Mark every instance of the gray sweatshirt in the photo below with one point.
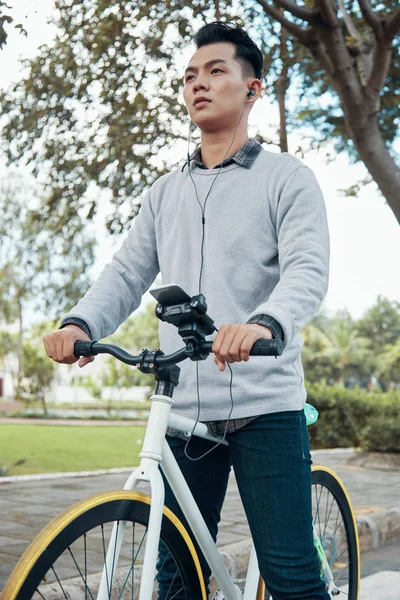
(266, 251)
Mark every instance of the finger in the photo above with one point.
(219, 339)
(51, 349)
(66, 352)
(70, 360)
(85, 360)
(236, 349)
(246, 347)
(220, 364)
(232, 352)
(224, 352)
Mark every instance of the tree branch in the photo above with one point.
(328, 12)
(348, 21)
(371, 18)
(320, 52)
(301, 34)
(392, 26)
(380, 69)
(302, 12)
(361, 50)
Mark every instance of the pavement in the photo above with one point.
(28, 503)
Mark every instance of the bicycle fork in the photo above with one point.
(325, 569)
(151, 456)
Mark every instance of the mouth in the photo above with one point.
(199, 102)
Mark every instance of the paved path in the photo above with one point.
(27, 506)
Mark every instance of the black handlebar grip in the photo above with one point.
(267, 347)
(83, 348)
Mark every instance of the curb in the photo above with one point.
(374, 531)
(68, 474)
(379, 529)
(383, 461)
(43, 476)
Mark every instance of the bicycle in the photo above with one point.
(131, 527)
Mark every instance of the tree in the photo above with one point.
(351, 59)
(318, 367)
(38, 372)
(380, 324)
(37, 264)
(100, 104)
(136, 333)
(139, 332)
(8, 343)
(388, 365)
(7, 19)
(334, 351)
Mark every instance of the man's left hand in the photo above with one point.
(234, 342)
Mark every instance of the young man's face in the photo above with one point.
(220, 81)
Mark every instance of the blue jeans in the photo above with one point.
(272, 464)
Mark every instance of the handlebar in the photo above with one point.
(262, 347)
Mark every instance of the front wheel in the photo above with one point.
(66, 559)
(335, 525)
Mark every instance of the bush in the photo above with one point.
(355, 418)
(382, 435)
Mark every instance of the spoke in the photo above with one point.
(330, 510)
(162, 566)
(80, 573)
(133, 548)
(40, 594)
(105, 562)
(84, 543)
(326, 510)
(317, 500)
(336, 556)
(178, 592)
(171, 584)
(339, 576)
(59, 583)
(333, 535)
(115, 550)
(131, 569)
(335, 530)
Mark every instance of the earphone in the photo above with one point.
(202, 208)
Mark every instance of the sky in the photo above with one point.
(365, 236)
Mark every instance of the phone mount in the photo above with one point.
(192, 322)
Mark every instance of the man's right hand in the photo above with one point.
(59, 345)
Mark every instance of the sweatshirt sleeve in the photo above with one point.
(303, 250)
(119, 289)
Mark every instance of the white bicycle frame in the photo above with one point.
(156, 451)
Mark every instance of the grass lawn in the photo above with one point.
(58, 448)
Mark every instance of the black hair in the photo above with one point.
(247, 52)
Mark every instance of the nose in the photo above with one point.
(200, 84)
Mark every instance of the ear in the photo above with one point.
(254, 87)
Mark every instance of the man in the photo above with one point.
(248, 229)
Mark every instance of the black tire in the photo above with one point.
(336, 527)
(48, 561)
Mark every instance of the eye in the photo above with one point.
(215, 69)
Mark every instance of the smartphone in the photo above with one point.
(170, 294)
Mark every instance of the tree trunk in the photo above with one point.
(44, 405)
(376, 157)
(342, 368)
(282, 85)
(19, 349)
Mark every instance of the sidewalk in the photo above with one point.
(26, 506)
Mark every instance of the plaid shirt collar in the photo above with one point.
(245, 156)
